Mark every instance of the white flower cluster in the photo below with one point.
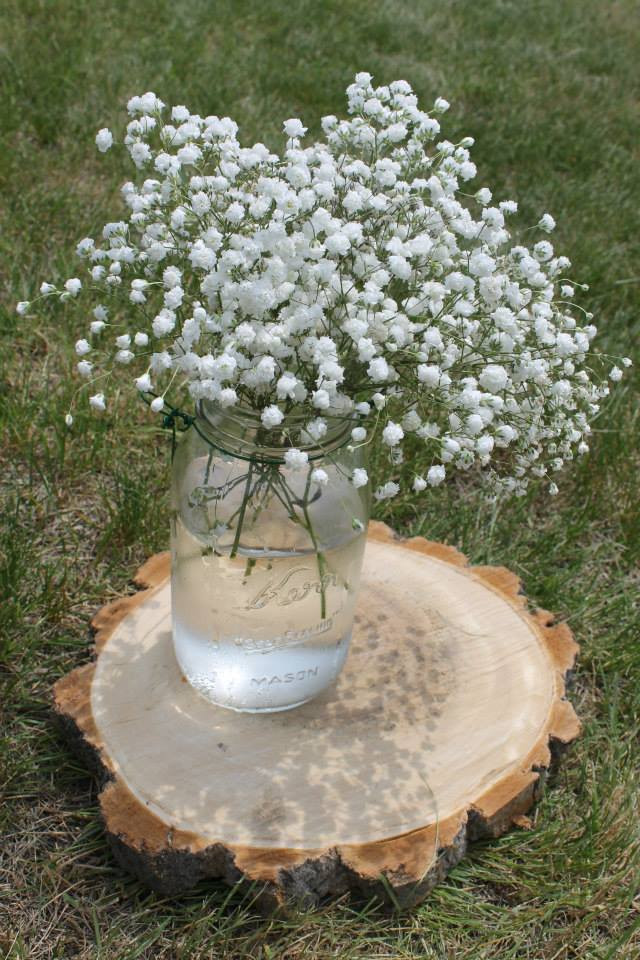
(351, 278)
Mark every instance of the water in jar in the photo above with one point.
(269, 627)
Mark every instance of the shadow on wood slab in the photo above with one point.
(440, 730)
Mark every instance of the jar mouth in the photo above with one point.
(239, 432)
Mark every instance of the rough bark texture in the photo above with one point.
(401, 868)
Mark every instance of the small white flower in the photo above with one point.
(235, 212)
(68, 420)
(429, 374)
(171, 277)
(85, 247)
(143, 383)
(286, 386)
(481, 264)
(321, 399)
(73, 286)
(294, 128)
(396, 132)
(378, 370)
(157, 404)
(387, 491)
(441, 105)
(505, 434)
(411, 421)
(543, 251)
(201, 257)
(296, 459)
(338, 243)
(163, 323)
(484, 445)
(200, 203)
(22, 307)
(400, 267)
(189, 154)
(140, 153)
(358, 434)
(360, 477)
(141, 339)
(265, 370)
(392, 434)
(84, 368)
(435, 475)
(547, 223)
(104, 139)
(317, 428)
(180, 114)
(615, 374)
(352, 201)
(173, 298)
(46, 288)
(227, 397)
(553, 489)
(147, 103)
(483, 196)
(419, 484)
(82, 347)
(97, 401)
(272, 416)
(320, 476)
(493, 378)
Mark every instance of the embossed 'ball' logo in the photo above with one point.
(296, 585)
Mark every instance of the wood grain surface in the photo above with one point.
(439, 730)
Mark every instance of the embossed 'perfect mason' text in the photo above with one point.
(291, 638)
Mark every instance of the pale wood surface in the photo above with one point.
(449, 699)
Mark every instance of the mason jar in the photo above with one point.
(265, 557)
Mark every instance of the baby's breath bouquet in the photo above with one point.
(356, 283)
(351, 278)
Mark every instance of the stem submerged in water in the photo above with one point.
(319, 554)
(243, 508)
(272, 480)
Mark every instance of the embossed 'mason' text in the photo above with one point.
(285, 678)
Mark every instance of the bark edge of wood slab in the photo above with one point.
(362, 797)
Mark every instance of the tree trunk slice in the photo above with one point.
(439, 730)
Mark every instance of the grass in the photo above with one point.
(550, 91)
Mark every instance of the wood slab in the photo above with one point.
(439, 730)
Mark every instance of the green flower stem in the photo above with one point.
(322, 563)
(243, 507)
(274, 482)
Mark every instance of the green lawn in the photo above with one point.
(550, 90)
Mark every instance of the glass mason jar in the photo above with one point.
(265, 560)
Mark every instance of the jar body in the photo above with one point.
(266, 566)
